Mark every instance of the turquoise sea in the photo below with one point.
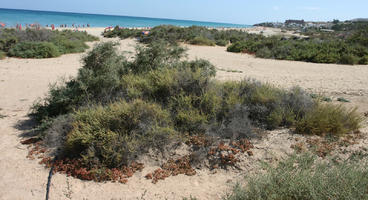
(12, 17)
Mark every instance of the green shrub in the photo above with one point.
(156, 55)
(157, 75)
(97, 81)
(2, 55)
(349, 59)
(364, 60)
(33, 35)
(117, 108)
(324, 48)
(222, 43)
(34, 50)
(187, 117)
(113, 135)
(202, 41)
(237, 47)
(7, 39)
(122, 33)
(264, 53)
(329, 119)
(69, 46)
(303, 177)
(43, 43)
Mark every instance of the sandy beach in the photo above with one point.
(22, 81)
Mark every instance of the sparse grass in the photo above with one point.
(234, 71)
(190, 198)
(230, 70)
(304, 177)
(342, 99)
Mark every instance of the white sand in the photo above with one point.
(22, 81)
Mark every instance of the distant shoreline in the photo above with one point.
(143, 17)
(19, 16)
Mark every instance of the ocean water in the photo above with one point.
(12, 17)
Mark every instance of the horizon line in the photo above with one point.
(124, 16)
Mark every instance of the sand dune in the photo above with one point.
(22, 81)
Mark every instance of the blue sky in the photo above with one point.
(232, 11)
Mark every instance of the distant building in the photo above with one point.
(294, 22)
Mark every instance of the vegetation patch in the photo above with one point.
(342, 47)
(2, 55)
(34, 50)
(325, 146)
(116, 110)
(172, 168)
(304, 177)
(327, 119)
(202, 41)
(32, 43)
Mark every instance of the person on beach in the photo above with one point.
(52, 27)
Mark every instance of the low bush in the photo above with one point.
(96, 82)
(364, 60)
(350, 48)
(186, 89)
(34, 50)
(122, 33)
(202, 41)
(2, 55)
(329, 119)
(117, 108)
(113, 135)
(303, 177)
(69, 46)
(7, 39)
(349, 59)
(237, 47)
(43, 43)
(222, 43)
(33, 35)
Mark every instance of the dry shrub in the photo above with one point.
(303, 177)
(326, 119)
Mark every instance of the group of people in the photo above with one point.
(73, 25)
(36, 26)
